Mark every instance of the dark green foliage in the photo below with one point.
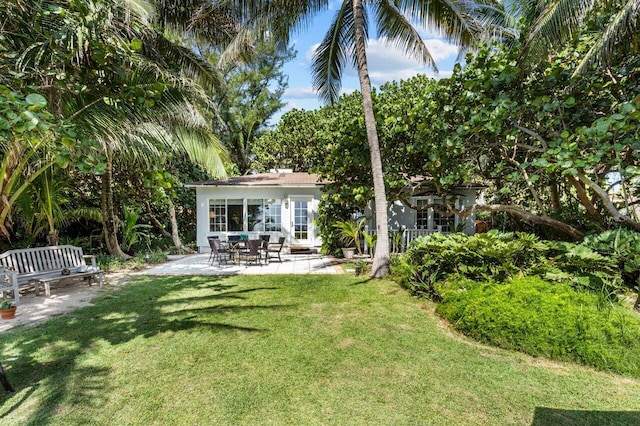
(495, 256)
(583, 267)
(545, 319)
(623, 247)
(331, 210)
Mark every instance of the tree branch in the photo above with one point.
(608, 204)
(583, 197)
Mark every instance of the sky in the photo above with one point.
(385, 64)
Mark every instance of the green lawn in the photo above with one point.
(299, 350)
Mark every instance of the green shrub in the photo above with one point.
(495, 256)
(139, 261)
(623, 247)
(490, 255)
(543, 318)
(582, 267)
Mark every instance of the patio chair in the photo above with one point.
(264, 248)
(265, 237)
(216, 251)
(252, 253)
(275, 250)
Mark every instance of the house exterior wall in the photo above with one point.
(285, 196)
(401, 216)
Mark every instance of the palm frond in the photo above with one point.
(214, 23)
(556, 24)
(333, 54)
(451, 19)
(91, 213)
(393, 25)
(624, 24)
(242, 43)
(186, 62)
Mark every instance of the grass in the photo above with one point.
(312, 350)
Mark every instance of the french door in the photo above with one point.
(301, 221)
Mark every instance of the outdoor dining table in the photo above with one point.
(238, 248)
(234, 248)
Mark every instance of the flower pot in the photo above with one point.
(8, 313)
(348, 252)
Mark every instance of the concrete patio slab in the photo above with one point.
(198, 264)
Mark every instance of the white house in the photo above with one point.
(285, 204)
(419, 220)
(280, 204)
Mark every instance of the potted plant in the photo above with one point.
(350, 233)
(7, 310)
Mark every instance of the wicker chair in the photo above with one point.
(273, 252)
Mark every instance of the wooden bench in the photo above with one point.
(44, 265)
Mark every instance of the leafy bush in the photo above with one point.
(153, 256)
(495, 256)
(490, 255)
(623, 247)
(543, 318)
(583, 267)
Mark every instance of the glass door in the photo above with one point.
(301, 232)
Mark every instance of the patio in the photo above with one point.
(198, 264)
(64, 298)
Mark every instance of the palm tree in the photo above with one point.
(556, 21)
(459, 21)
(143, 95)
(25, 153)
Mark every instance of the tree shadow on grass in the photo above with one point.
(544, 416)
(48, 361)
(362, 281)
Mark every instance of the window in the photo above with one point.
(422, 216)
(264, 215)
(228, 215)
(255, 215)
(217, 216)
(301, 220)
(272, 215)
(235, 216)
(440, 222)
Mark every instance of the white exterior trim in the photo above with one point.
(284, 193)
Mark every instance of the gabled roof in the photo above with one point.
(266, 179)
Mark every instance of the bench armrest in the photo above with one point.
(90, 256)
(9, 273)
(9, 282)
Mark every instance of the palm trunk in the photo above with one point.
(53, 238)
(380, 267)
(108, 218)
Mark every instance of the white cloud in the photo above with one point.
(305, 93)
(441, 50)
(300, 93)
(309, 53)
(387, 63)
